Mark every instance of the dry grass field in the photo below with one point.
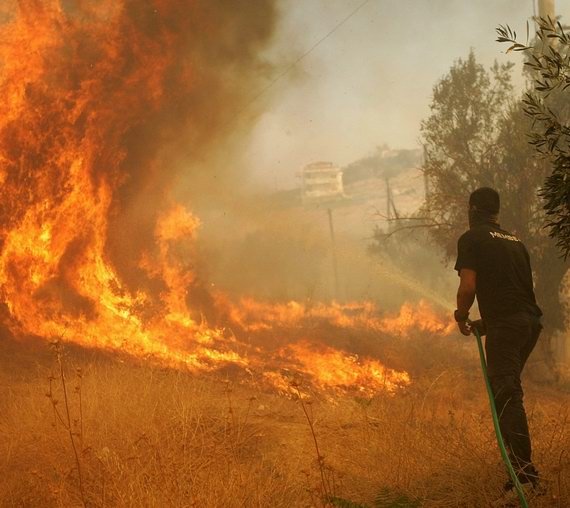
(150, 436)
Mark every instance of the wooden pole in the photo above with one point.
(388, 200)
(546, 9)
(333, 244)
(426, 181)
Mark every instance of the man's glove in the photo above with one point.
(479, 325)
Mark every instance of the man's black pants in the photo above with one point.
(510, 340)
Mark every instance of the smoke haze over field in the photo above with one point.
(370, 82)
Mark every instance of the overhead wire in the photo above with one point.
(291, 66)
(288, 69)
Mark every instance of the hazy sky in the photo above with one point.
(371, 81)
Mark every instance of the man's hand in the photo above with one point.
(464, 327)
(465, 298)
(479, 325)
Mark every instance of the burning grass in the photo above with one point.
(154, 436)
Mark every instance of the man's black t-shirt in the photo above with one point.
(504, 276)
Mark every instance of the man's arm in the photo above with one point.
(465, 298)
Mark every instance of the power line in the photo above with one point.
(302, 57)
(288, 69)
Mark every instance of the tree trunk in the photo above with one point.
(548, 282)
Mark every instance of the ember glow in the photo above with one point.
(94, 249)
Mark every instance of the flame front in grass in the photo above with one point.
(254, 316)
(331, 368)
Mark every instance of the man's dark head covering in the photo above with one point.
(484, 206)
(485, 199)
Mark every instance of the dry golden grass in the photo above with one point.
(160, 437)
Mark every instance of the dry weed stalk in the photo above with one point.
(66, 420)
(237, 424)
(326, 489)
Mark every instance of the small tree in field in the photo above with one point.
(476, 135)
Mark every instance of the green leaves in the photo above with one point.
(546, 104)
(505, 34)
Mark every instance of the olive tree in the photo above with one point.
(547, 105)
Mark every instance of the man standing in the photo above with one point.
(494, 265)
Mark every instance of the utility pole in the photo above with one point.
(333, 243)
(391, 211)
(388, 199)
(546, 9)
(426, 181)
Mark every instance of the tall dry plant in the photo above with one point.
(64, 416)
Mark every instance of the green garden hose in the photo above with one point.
(504, 454)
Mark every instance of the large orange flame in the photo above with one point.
(331, 368)
(93, 249)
